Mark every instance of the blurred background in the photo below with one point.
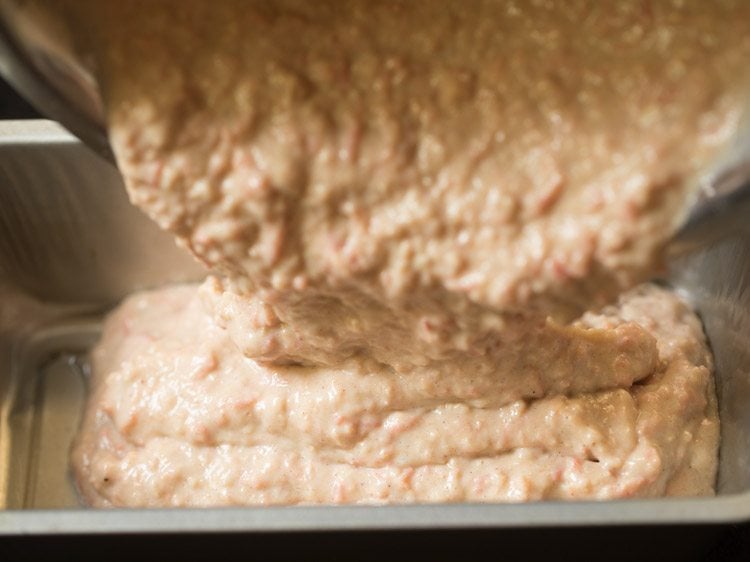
(13, 106)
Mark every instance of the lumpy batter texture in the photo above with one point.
(179, 417)
(406, 207)
(411, 179)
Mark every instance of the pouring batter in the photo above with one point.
(418, 198)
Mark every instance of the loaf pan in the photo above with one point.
(71, 246)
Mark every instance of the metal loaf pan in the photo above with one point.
(71, 246)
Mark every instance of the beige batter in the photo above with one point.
(178, 417)
(416, 198)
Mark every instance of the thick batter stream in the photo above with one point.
(406, 205)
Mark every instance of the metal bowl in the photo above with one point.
(36, 58)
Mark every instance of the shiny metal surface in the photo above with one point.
(71, 245)
(67, 230)
(37, 59)
(723, 205)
